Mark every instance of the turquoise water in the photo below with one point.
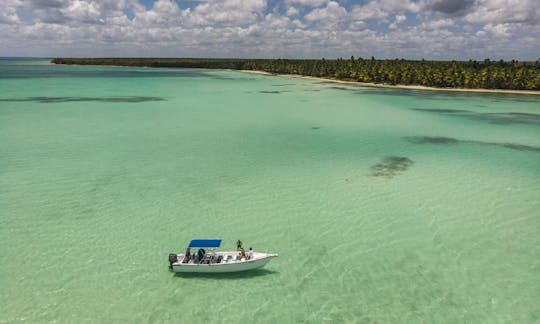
(385, 205)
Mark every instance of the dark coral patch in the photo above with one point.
(448, 140)
(442, 111)
(518, 147)
(390, 166)
(492, 118)
(432, 140)
(273, 92)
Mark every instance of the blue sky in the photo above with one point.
(431, 29)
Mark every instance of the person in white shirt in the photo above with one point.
(250, 254)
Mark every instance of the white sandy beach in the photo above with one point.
(409, 87)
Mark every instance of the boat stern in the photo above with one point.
(174, 258)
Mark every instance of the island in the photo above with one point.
(487, 75)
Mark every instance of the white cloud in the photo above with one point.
(114, 5)
(69, 11)
(299, 24)
(276, 22)
(292, 11)
(164, 13)
(438, 24)
(498, 30)
(306, 3)
(333, 12)
(357, 25)
(82, 11)
(226, 12)
(383, 9)
(369, 11)
(121, 20)
(505, 11)
(9, 16)
(248, 28)
(398, 19)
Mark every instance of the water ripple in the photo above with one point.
(506, 118)
(133, 99)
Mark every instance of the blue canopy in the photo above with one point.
(204, 243)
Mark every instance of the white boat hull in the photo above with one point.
(258, 261)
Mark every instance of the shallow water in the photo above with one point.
(385, 205)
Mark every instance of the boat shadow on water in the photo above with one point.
(227, 275)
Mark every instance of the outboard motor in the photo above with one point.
(172, 259)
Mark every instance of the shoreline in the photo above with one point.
(397, 86)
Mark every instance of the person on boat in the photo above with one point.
(187, 255)
(238, 245)
(200, 254)
(250, 254)
(242, 254)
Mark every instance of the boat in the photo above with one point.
(211, 261)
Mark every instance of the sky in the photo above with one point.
(411, 29)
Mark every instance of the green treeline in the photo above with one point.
(485, 74)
